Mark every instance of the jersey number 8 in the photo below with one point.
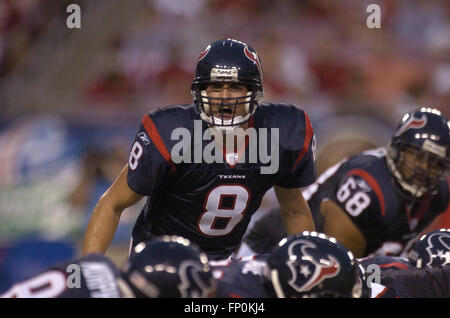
(215, 210)
(135, 154)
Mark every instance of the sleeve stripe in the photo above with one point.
(373, 184)
(308, 135)
(152, 132)
(395, 264)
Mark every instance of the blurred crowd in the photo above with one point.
(21, 22)
(319, 54)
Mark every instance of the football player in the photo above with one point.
(376, 202)
(208, 201)
(415, 283)
(309, 264)
(167, 267)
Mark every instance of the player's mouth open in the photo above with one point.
(226, 112)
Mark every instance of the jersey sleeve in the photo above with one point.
(149, 159)
(298, 141)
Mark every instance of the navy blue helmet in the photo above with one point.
(313, 264)
(431, 250)
(169, 267)
(423, 137)
(227, 61)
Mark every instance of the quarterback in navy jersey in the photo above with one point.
(196, 185)
(377, 202)
(96, 276)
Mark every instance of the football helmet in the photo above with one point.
(431, 250)
(168, 267)
(227, 61)
(424, 135)
(313, 264)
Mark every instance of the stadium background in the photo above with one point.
(71, 99)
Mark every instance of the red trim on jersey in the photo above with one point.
(396, 265)
(423, 208)
(442, 220)
(308, 135)
(152, 132)
(373, 184)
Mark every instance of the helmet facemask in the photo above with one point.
(417, 171)
(226, 113)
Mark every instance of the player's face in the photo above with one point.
(233, 104)
(420, 168)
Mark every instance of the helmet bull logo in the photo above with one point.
(412, 123)
(312, 273)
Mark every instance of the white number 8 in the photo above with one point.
(135, 154)
(49, 284)
(215, 211)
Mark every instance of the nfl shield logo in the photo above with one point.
(232, 158)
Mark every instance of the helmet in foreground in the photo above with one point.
(169, 267)
(313, 264)
(431, 250)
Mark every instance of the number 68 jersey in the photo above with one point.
(210, 202)
(363, 187)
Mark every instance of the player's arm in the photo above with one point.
(338, 224)
(105, 218)
(295, 210)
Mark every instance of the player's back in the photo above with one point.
(382, 263)
(415, 283)
(92, 276)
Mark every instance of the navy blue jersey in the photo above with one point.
(362, 187)
(92, 276)
(240, 278)
(385, 262)
(415, 283)
(211, 202)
